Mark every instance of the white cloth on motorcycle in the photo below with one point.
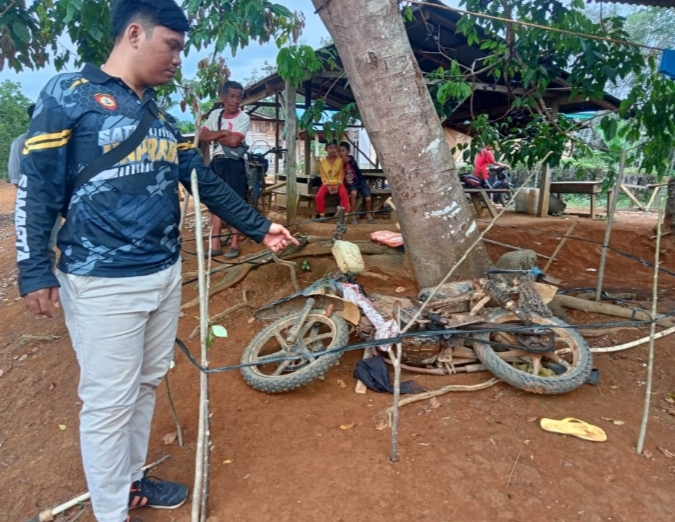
(384, 329)
(373, 372)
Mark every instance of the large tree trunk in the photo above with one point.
(400, 118)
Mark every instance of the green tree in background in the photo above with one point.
(13, 119)
(30, 35)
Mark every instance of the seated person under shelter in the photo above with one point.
(356, 184)
(331, 169)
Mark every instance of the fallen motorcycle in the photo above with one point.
(517, 339)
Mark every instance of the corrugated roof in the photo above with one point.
(490, 97)
(652, 3)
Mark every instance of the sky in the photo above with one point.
(241, 65)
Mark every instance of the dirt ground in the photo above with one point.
(478, 456)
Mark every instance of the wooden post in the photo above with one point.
(276, 134)
(610, 220)
(560, 245)
(291, 156)
(200, 490)
(544, 191)
(308, 142)
(652, 333)
(630, 194)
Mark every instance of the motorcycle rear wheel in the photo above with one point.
(571, 354)
(503, 198)
(317, 334)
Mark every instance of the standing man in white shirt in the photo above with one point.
(226, 129)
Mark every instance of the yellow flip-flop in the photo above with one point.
(574, 427)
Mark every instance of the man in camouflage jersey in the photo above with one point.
(118, 277)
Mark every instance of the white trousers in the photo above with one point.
(123, 332)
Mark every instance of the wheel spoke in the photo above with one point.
(281, 368)
(306, 351)
(316, 338)
(504, 338)
(305, 328)
(281, 340)
(536, 365)
(560, 360)
(269, 358)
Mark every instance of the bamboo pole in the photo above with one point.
(179, 429)
(650, 363)
(610, 221)
(396, 361)
(633, 344)
(511, 247)
(201, 470)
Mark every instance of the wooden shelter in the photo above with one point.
(434, 42)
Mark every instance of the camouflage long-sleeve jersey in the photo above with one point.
(124, 221)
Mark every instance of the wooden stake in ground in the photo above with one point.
(50, 514)
(650, 363)
(200, 490)
(610, 220)
(179, 429)
(560, 245)
(511, 247)
(396, 361)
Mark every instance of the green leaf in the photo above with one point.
(21, 32)
(219, 331)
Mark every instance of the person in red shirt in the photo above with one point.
(483, 160)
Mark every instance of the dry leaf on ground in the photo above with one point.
(399, 289)
(347, 426)
(667, 453)
(62, 427)
(228, 461)
(170, 438)
(382, 424)
(341, 383)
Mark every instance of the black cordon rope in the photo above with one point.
(399, 338)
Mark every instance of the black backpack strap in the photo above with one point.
(113, 156)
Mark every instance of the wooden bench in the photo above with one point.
(480, 197)
(579, 187)
(307, 206)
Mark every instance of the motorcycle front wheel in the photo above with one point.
(270, 372)
(560, 370)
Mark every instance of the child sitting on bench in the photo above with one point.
(331, 169)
